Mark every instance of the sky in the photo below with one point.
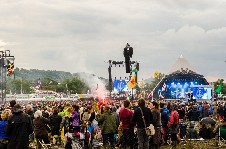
(82, 35)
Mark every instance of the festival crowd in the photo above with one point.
(108, 124)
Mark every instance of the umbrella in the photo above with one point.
(208, 120)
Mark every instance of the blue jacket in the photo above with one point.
(165, 116)
(3, 135)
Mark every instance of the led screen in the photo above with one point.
(120, 85)
(178, 90)
(202, 93)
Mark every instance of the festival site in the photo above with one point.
(178, 110)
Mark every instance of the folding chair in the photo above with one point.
(44, 146)
(221, 136)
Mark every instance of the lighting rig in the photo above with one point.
(128, 52)
(6, 69)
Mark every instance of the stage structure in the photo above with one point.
(6, 69)
(182, 83)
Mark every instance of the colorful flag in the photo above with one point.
(38, 84)
(135, 70)
(131, 84)
(218, 90)
(156, 74)
(164, 87)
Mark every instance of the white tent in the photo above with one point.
(181, 64)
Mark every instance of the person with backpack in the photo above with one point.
(107, 122)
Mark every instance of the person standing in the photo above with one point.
(107, 122)
(3, 122)
(173, 125)
(125, 116)
(143, 139)
(40, 130)
(19, 127)
(156, 121)
(55, 120)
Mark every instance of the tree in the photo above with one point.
(217, 84)
(75, 85)
(18, 85)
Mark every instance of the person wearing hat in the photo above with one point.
(19, 127)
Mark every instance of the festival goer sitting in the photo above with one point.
(192, 133)
(204, 132)
(3, 136)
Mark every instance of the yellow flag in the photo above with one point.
(131, 84)
(156, 74)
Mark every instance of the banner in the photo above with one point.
(131, 84)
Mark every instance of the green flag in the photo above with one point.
(135, 70)
(219, 88)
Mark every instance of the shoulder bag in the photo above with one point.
(149, 130)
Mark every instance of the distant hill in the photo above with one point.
(59, 76)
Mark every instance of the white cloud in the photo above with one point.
(80, 35)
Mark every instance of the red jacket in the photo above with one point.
(125, 116)
(174, 116)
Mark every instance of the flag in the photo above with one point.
(218, 90)
(164, 87)
(135, 70)
(131, 84)
(156, 74)
(38, 84)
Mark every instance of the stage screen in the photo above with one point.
(120, 85)
(202, 93)
(180, 89)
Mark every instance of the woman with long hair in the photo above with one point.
(3, 122)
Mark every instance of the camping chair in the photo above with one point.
(221, 135)
(44, 146)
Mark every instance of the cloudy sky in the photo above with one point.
(80, 35)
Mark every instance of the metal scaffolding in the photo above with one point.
(5, 61)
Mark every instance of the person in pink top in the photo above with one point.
(127, 125)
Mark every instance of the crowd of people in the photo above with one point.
(92, 124)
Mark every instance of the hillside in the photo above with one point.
(59, 76)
